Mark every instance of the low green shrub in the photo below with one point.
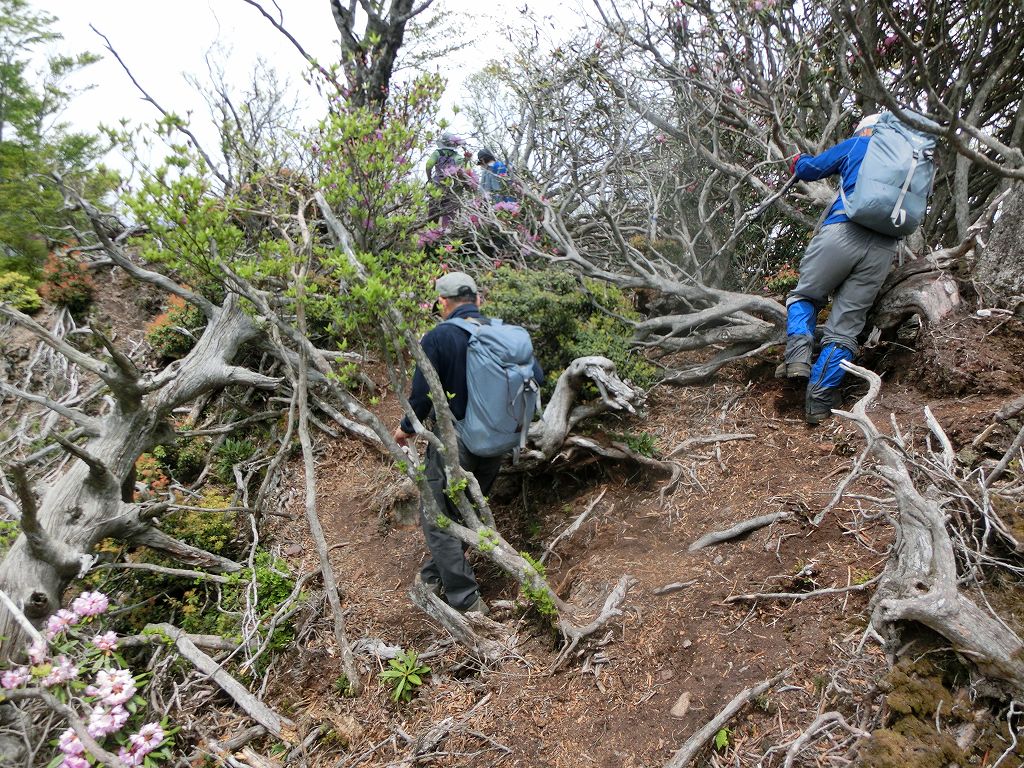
(567, 320)
(165, 332)
(18, 290)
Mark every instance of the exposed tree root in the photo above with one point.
(686, 753)
(920, 582)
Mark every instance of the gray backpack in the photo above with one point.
(503, 393)
(895, 178)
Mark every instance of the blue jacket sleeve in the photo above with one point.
(829, 162)
(419, 396)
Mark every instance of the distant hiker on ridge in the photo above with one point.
(492, 379)
(446, 169)
(494, 180)
(886, 173)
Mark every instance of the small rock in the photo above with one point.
(687, 643)
(293, 550)
(718, 560)
(664, 675)
(682, 706)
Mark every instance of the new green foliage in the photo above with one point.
(404, 675)
(566, 319)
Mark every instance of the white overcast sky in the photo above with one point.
(164, 41)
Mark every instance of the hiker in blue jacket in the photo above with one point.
(843, 260)
(445, 346)
(493, 177)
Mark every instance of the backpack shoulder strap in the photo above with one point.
(470, 327)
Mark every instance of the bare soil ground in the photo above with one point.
(614, 709)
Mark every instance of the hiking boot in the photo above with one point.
(792, 371)
(478, 606)
(433, 587)
(820, 405)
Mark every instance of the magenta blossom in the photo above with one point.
(141, 744)
(509, 206)
(70, 744)
(106, 720)
(12, 678)
(151, 734)
(60, 622)
(113, 687)
(106, 641)
(63, 670)
(90, 603)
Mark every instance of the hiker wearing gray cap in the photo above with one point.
(844, 260)
(446, 346)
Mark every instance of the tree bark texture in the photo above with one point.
(84, 505)
(999, 271)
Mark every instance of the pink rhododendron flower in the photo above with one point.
(113, 686)
(131, 755)
(505, 205)
(74, 761)
(38, 651)
(106, 720)
(106, 641)
(70, 744)
(151, 734)
(12, 678)
(90, 604)
(63, 670)
(59, 622)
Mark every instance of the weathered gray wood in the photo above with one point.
(920, 581)
(684, 756)
(739, 529)
(279, 726)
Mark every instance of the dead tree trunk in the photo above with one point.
(85, 504)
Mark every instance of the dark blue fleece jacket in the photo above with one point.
(445, 346)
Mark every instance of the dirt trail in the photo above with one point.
(686, 642)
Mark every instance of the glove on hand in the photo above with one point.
(792, 163)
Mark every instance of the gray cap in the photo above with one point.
(455, 284)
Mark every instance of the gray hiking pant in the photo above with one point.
(447, 561)
(848, 262)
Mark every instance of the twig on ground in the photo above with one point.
(281, 727)
(695, 743)
(801, 595)
(738, 530)
(575, 526)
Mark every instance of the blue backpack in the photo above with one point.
(895, 178)
(503, 393)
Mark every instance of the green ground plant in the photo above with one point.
(404, 675)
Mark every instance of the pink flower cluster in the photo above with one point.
(106, 720)
(141, 744)
(90, 604)
(113, 687)
(63, 670)
(13, 678)
(73, 749)
(106, 641)
(60, 622)
(505, 205)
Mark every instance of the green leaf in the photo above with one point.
(722, 738)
